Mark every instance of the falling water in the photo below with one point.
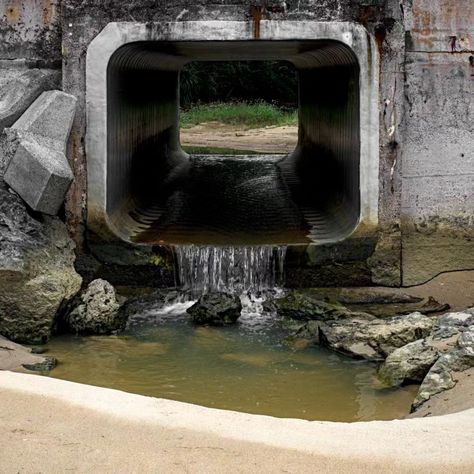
(230, 269)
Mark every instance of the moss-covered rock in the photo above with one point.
(216, 309)
(96, 311)
(374, 339)
(37, 276)
(299, 305)
(408, 364)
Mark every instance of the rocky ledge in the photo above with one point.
(410, 348)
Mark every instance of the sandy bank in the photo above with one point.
(90, 429)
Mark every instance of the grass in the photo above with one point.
(213, 150)
(255, 115)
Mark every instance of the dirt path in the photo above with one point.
(264, 140)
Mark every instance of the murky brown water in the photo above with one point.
(244, 368)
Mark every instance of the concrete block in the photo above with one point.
(50, 116)
(19, 93)
(37, 167)
(41, 175)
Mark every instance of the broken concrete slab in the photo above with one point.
(19, 93)
(38, 169)
(49, 116)
(40, 175)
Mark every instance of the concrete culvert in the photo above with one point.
(156, 193)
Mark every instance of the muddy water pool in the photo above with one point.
(244, 368)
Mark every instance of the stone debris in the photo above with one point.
(408, 364)
(452, 324)
(443, 374)
(38, 169)
(216, 309)
(95, 311)
(451, 332)
(36, 271)
(374, 339)
(412, 348)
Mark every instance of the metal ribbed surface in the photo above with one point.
(156, 194)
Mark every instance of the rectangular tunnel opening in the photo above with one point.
(238, 107)
(157, 193)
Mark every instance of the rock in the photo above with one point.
(432, 306)
(452, 324)
(216, 309)
(46, 365)
(19, 93)
(303, 307)
(374, 339)
(95, 311)
(412, 362)
(38, 169)
(304, 335)
(466, 340)
(374, 296)
(443, 374)
(14, 356)
(379, 302)
(36, 271)
(387, 310)
(38, 350)
(408, 364)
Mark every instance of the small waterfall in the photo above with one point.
(230, 269)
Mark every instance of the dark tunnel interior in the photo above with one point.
(157, 193)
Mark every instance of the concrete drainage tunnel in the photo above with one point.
(158, 194)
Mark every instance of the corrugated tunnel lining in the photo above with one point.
(146, 166)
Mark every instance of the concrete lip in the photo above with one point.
(352, 138)
(425, 444)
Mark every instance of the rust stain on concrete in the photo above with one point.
(435, 28)
(257, 13)
(13, 12)
(48, 11)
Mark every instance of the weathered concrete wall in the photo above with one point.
(30, 30)
(83, 20)
(426, 199)
(30, 58)
(438, 139)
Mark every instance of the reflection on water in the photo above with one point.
(242, 368)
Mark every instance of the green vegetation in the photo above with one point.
(254, 115)
(274, 82)
(214, 150)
